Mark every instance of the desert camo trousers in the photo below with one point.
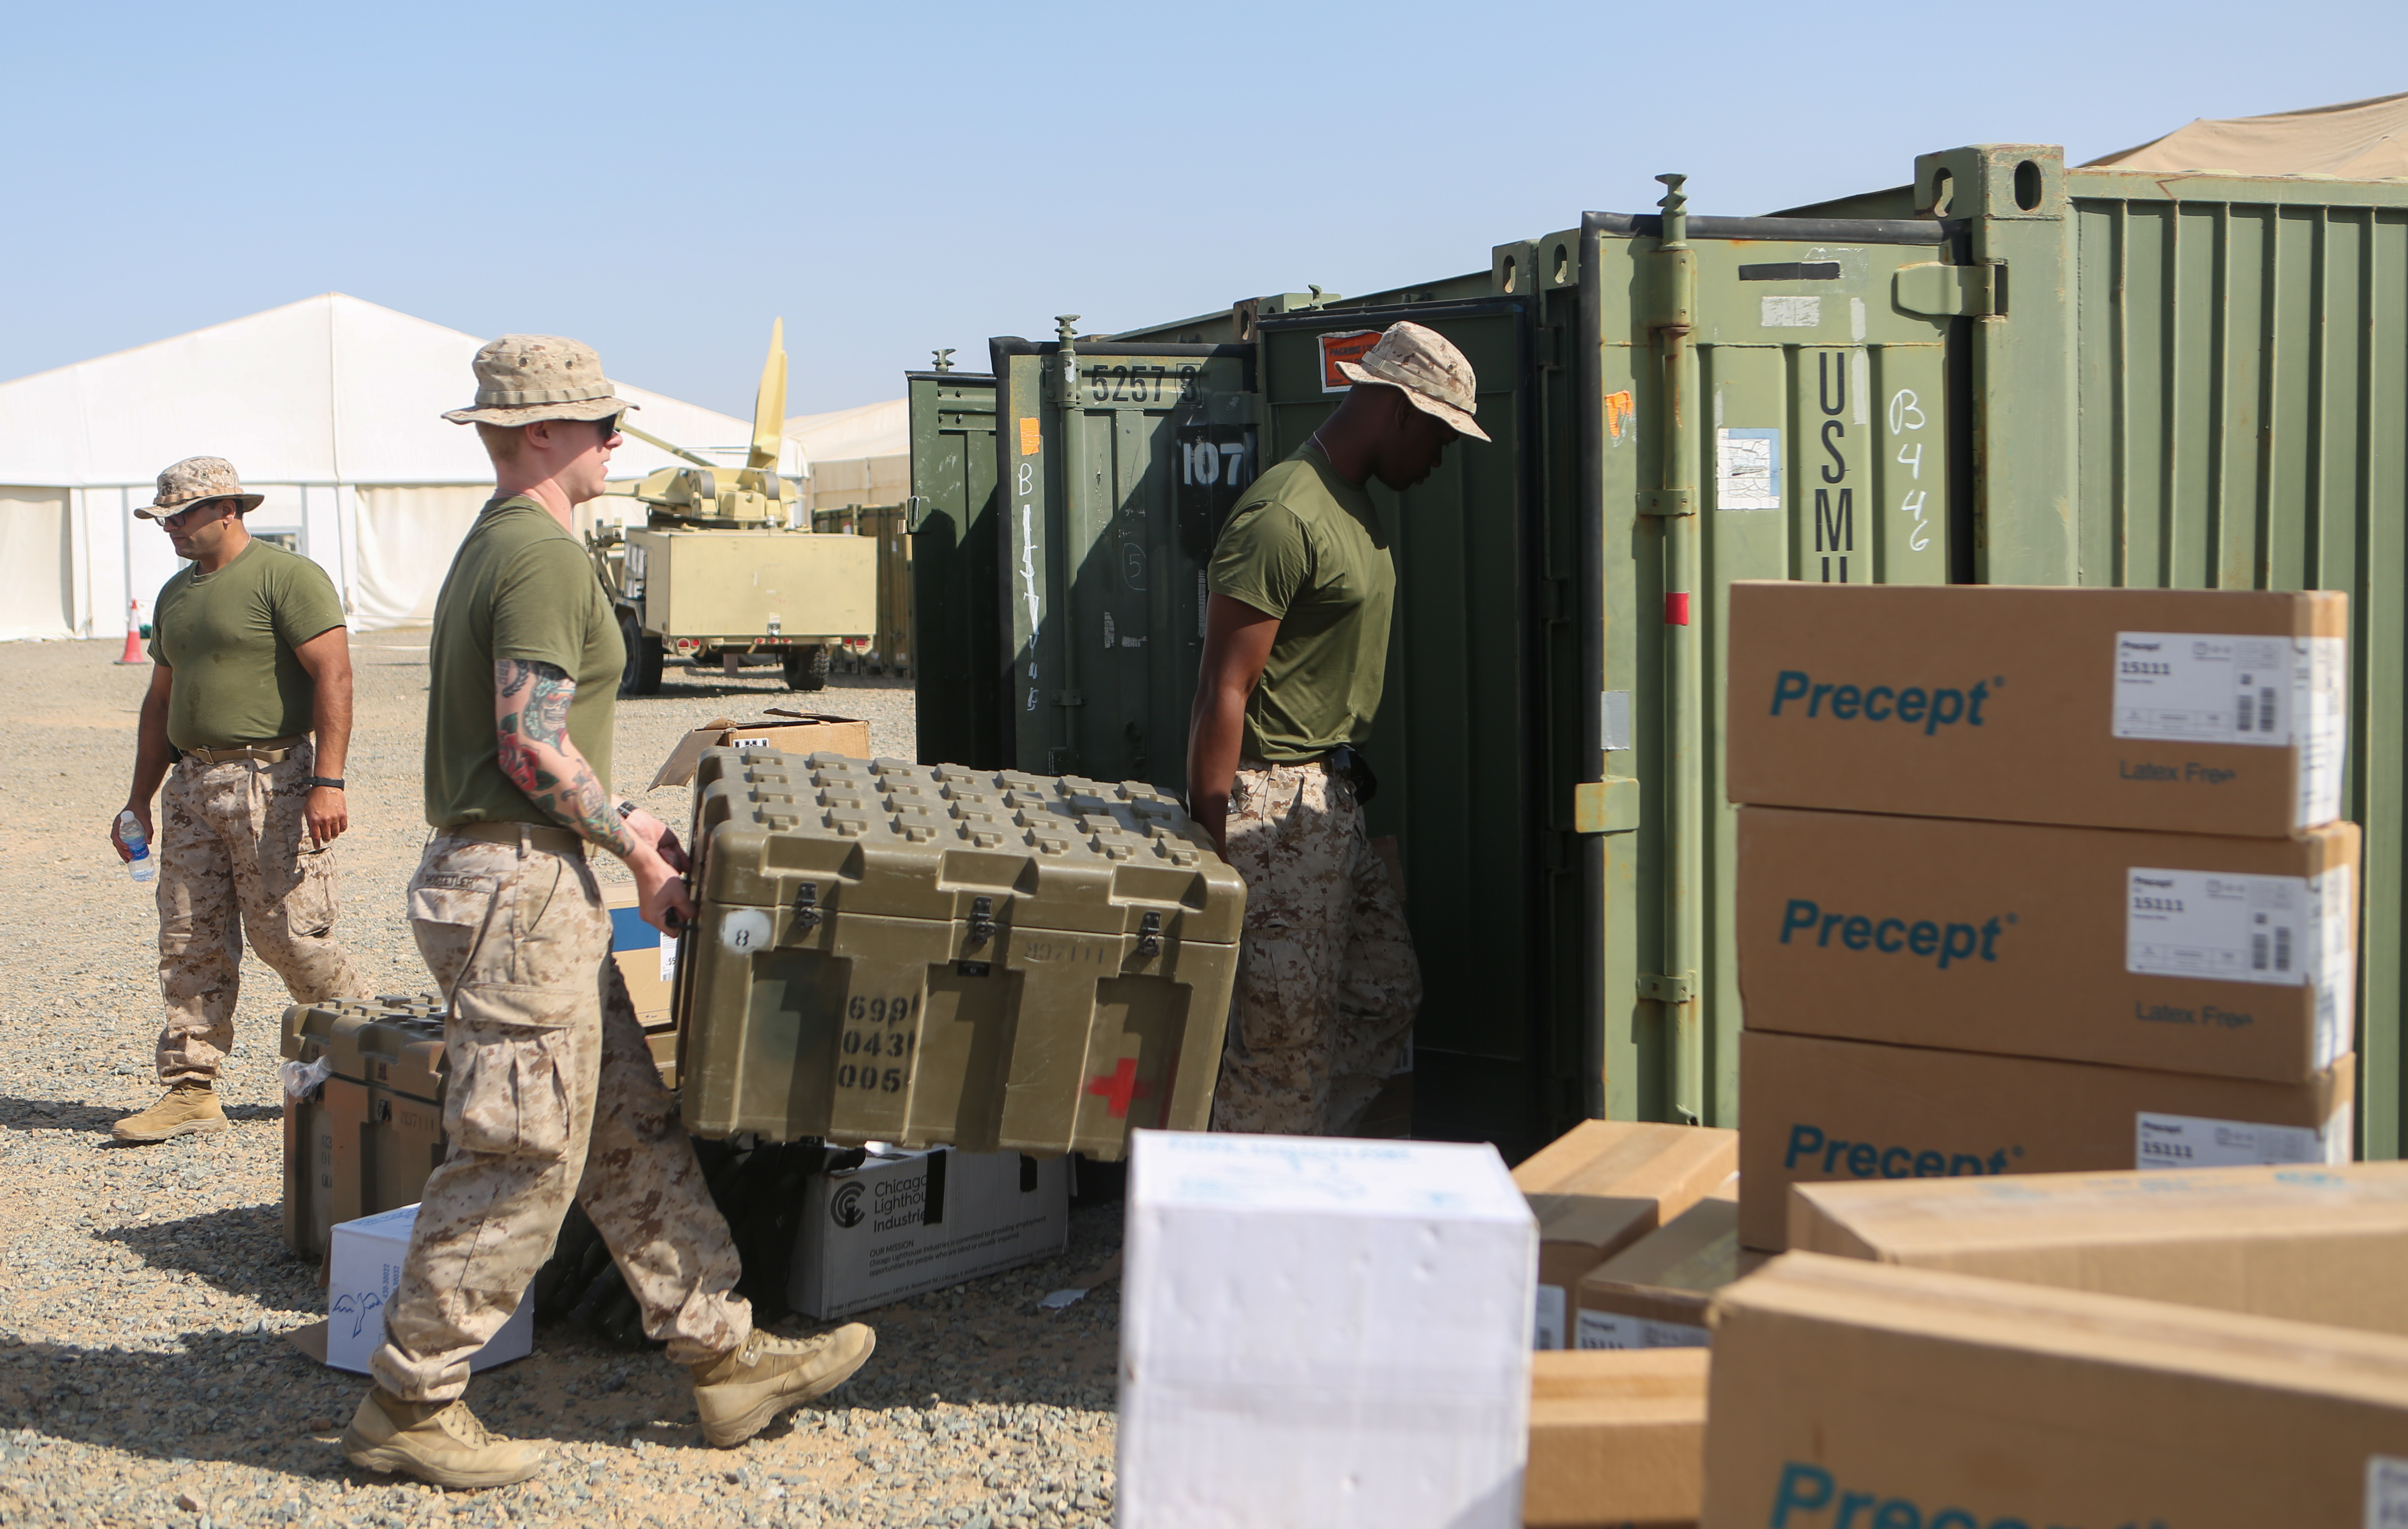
(1327, 983)
(551, 1095)
(236, 858)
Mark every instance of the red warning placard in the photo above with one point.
(1347, 346)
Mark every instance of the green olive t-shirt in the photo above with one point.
(1305, 544)
(521, 587)
(229, 636)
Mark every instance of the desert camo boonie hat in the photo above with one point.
(522, 378)
(197, 480)
(1432, 374)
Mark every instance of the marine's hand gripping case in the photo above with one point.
(924, 954)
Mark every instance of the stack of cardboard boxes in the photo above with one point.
(2037, 880)
(1607, 1189)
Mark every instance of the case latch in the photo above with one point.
(982, 920)
(807, 906)
(1148, 935)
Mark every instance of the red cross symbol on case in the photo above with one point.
(1120, 1086)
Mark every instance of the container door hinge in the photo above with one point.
(807, 906)
(1670, 990)
(1668, 500)
(1148, 935)
(981, 921)
(1944, 291)
(1610, 806)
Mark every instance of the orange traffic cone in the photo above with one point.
(132, 653)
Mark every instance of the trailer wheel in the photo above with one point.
(642, 675)
(807, 668)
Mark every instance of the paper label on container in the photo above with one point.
(668, 960)
(2386, 1492)
(1747, 469)
(1547, 1332)
(2191, 1142)
(1613, 1330)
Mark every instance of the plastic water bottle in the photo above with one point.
(129, 831)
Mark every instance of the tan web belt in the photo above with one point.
(560, 841)
(270, 751)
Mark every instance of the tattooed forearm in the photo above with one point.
(531, 734)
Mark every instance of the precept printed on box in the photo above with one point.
(2217, 711)
(2180, 953)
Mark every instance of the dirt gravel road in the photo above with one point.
(144, 1291)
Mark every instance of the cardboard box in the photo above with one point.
(2113, 709)
(1653, 1293)
(1817, 1109)
(364, 1268)
(2313, 1244)
(906, 1223)
(1601, 1187)
(788, 732)
(647, 960)
(1616, 1439)
(1318, 1332)
(2172, 952)
(1860, 1395)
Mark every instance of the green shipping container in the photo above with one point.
(2038, 376)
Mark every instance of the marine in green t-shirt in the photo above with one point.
(553, 1095)
(1305, 544)
(241, 742)
(1296, 651)
(520, 588)
(230, 635)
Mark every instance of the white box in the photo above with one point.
(365, 1265)
(904, 1223)
(1323, 1333)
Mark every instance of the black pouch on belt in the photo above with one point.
(1348, 761)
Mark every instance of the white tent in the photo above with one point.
(859, 455)
(328, 406)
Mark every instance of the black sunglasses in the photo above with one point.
(610, 423)
(176, 522)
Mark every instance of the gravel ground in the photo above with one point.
(144, 1292)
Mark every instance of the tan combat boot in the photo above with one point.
(441, 1442)
(190, 1109)
(740, 1391)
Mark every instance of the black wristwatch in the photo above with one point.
(330, 782)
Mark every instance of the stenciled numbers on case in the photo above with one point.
(870, 1035)
(1906, 414)
(1208, 463)
(1065, 950)
(869, 1079)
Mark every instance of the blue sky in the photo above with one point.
(661, 179)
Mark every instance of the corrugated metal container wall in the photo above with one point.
(2241, 355)
(1107, 522)
(957, 655)
(2048, 378)
(1764, 398)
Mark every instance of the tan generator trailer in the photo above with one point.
(727, 568)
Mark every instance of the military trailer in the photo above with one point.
(727, 569)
